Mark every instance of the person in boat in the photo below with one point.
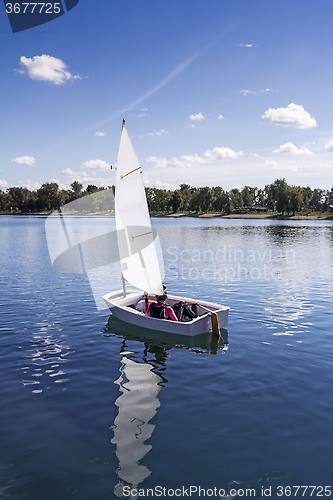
(159, 309)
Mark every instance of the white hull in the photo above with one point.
(123, 308)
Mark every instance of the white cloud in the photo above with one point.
(192, 160)
(220, 117)
(145, 178)
(96, 165)
(293, 115)
(329, 145)
(47, 68)
(3, 183)
(164, 185)
(291, 168)
(248, 170)
(246, 44)
(100, 134)
(271, 163)
(183, 161)
(186, 161)
(291, 149)
(67, 171)
(29, 184)
(197, 117)
(24, 160)
(222, 154)
(87, 178)
(246, 92)
(287, 167)
(158, 132)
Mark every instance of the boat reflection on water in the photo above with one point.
(206, 343)
(141, 379)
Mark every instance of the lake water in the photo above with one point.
(94, 409)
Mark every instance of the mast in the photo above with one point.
(122, 275)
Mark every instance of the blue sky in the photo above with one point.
(214, 92)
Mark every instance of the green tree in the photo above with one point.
(229, 206)
(6, 202)
(206, 197)
(317, 200)
(64, 196)
(277, 195)
(31, 204)
(150, 195)
(306, 195)
(186, 191)
(330, 196)
(295, 199)
(220, 199)
(91, 188)
(76, 190)
(194, 201)
(248, 196)
(236, 198)
(223, 203)
(176, 201)
(48, 197)
(20, 197)
(158, 199)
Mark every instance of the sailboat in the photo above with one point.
(139, 261)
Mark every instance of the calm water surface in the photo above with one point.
(89, 405)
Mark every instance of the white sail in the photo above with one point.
(140, 266)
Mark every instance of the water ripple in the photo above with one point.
(45, 355)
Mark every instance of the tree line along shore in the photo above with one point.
(276, 198)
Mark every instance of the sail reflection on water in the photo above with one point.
(137, 405)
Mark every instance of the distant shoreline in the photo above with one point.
(200, 216)
(247, 216)
(267, 216)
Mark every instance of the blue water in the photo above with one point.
(89, 405)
